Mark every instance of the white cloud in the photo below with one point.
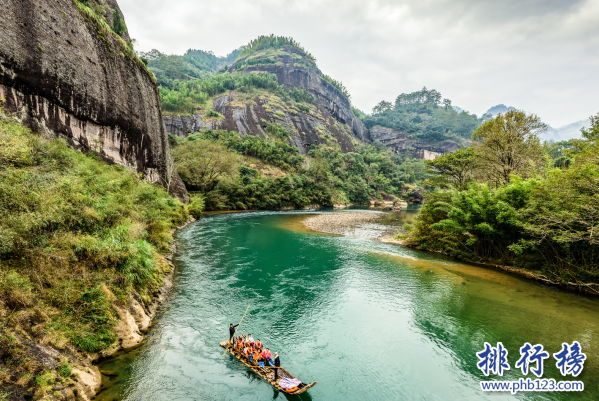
(538, 55)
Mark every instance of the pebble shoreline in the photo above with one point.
(339, 223)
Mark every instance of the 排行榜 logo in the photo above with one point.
(494, 360)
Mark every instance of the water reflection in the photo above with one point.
(367, 320)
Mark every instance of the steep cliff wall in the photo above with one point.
(293, 70)
(64, 73)
(401, 143)
(250, 113)
(329, 119)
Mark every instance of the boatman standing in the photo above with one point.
(277, 365)
(232, 331)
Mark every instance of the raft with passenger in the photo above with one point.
(284, 381)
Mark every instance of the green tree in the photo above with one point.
(509, 144)
(118, 25)
(382, 107)
(453, 168)
(562, 217)
(202, 163)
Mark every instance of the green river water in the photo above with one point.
(367, 320)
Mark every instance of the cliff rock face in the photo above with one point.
(293, 74)
(250, 115)
(420, 149)
(329, 119)
(64, 73)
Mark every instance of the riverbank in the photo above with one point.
(136, 319)
(349, 223)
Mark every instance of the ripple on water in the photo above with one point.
(367, 320)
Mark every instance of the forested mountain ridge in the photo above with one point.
(421, 123)
(193, 64)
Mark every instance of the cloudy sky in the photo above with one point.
(541, 56)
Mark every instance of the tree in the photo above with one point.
(454, 169)
(118, 25)
(509, 144)
(382, 107)
(203, 163)
(447, 104)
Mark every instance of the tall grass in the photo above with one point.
(71, 227)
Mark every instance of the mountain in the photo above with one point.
(421, 124)
(80, 123)
(499, 109)
(273, 81)
(564, 133)
(570, 131)
(192, 65)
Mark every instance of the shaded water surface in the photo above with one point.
(367, 320)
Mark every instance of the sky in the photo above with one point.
(540, 56)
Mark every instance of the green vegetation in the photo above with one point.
(77, 236)
(189, 96)
(423, 115)
(273, 42)
(518, 203)
(118, 25)
(64, 369)
(194, 64)
(187, 82)
(247, 172)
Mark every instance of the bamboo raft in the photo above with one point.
(267, 373)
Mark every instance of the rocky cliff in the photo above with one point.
(249, 114)
(329, 118)
(401, 143)
(65, 73)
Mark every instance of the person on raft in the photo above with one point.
(277, 365)
(232, 332)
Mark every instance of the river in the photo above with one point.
(367, 320)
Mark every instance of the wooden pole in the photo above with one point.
(246, 311)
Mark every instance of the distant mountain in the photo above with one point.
(499, 109)
(566, 132)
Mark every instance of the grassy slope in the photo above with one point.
(70, 226)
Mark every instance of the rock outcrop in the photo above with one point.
(294, 71)
(330, 118)
(249, 116)
(401, 143)
(64, 73)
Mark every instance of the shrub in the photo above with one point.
(214, 114)
(64, 369)
(303, 107)
(118, 25)
(45, 381)
(196, 205)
